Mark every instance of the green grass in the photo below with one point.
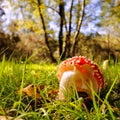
(15, 75)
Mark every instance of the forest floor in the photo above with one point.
(14, 103)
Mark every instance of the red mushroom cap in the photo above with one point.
(86, 68)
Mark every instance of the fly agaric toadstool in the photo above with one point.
(80, 72)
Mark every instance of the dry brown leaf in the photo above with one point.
(33, 90)
(53, 92)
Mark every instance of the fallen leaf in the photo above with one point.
(33, 90)
(53, 92)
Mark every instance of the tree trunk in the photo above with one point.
(45, 32)
(69, 32)
(75, 38)
(61, 13)
(67, 47)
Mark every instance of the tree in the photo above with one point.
(62, 16)
(69, 49)
(67, 22)
(45, 31)
(33, 19)
(78, 26)
(110, 21)
(110, 16)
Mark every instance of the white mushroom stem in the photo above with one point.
(66, 83)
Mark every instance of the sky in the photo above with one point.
(8, 17)
(90, 26)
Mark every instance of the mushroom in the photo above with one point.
(105, 64)
(80, 73)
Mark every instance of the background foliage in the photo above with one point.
(56, 29)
